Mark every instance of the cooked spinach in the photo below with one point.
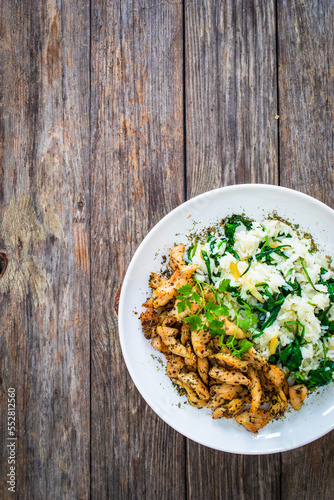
(296, 287)
(248, 267)
(291, 356)
(191, 252)
(266, 250)
(207, 263)
(231, 224)
(324, 321)
(229, 248)
(274, 358)
(213, 256)
(307, 274)
(329, 284)
(319, 377)
(268, 312)
(224, 286)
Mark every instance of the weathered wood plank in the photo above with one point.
(137, 177)
(231, 137)
(44, 293)
(231, 94)
(231, 476)
(306, 82)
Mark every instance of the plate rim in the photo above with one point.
(141, 390)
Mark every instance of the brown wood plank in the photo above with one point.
(306, 82)
(231, 104)
(231, 476)
(231, 95)
(44, 293)
(137, 177)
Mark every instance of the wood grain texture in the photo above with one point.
(231, 104)
(44, 293)
(306, 88)
(137, 177)
(229, 476)
(306, 83)
(231, 93)
(104, 105)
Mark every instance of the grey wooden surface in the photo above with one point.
(112, 114)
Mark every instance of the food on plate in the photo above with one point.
(245, 319)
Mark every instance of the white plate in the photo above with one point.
(255, 200)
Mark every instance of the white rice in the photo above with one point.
(295, 308)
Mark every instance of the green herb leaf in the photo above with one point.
(296, 287)
(267, 250)
(298, 324)
(181, 306)
(231, 224)
(216, 324)
(209, 316)
(219, 310)
(248, 267)
(291, 356)
(271, 319)
(299, 378)
(194, 322)
(274, 358)
(307, 275)
(231, 343)
(238, 348)
(245, 345)
(195, 297)
(328, 283)
(194, 249)
(223, 285)
(321, 376)
(184, 291)
(218, 331)
(207, 263)
(189, 258)
(246, 318)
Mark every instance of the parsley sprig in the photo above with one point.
(211, 310)
(245, 322)
(238, 348)
(186, 294)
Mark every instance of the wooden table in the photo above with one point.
(112, 113)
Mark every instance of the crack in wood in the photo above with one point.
(3, 263)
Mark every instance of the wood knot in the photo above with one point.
(3, 263)
(80, 205)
